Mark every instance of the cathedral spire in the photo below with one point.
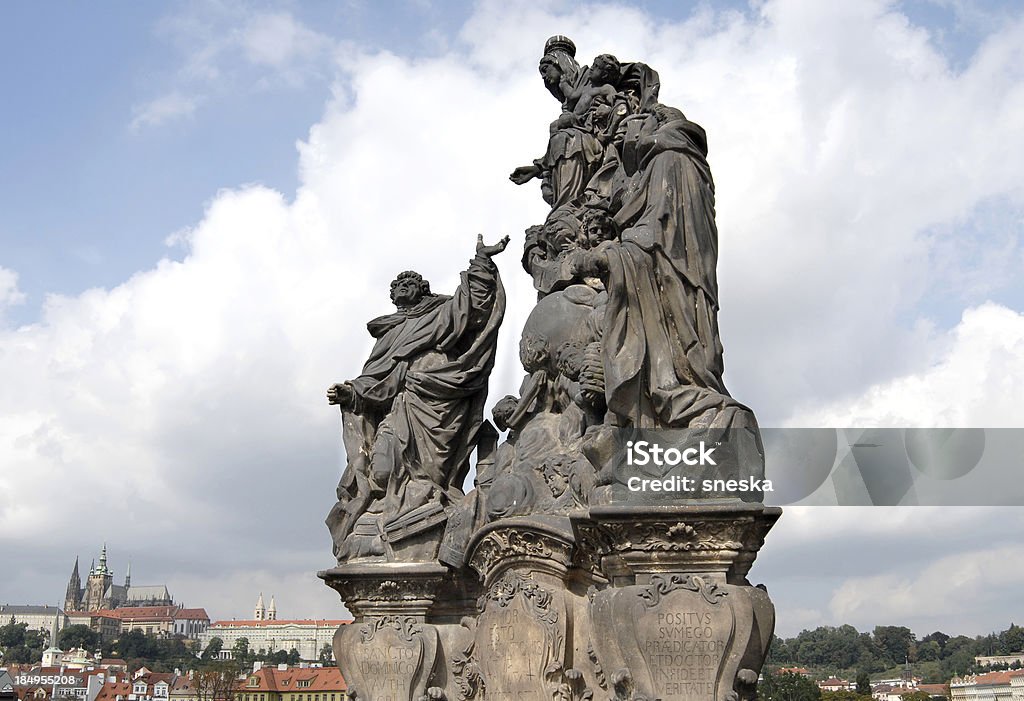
(260, 614)
(128, 576)
(73, 597)
(272, 611)
(103, 561)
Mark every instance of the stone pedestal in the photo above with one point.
(522, 646)
(406, 615)
(678, 620)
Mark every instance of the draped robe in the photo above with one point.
(662, 352)
(419, 402)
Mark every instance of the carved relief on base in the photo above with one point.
(387, 658)
(681, 637)
(520, 643)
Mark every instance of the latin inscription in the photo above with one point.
(512, 653)
(387, 667)
(685, 645)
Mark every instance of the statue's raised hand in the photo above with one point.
(489, 251)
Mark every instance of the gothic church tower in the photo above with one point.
(73, 598)
(100, 579)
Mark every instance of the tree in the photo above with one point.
(916, 696)
(240, 651)
(863, 684)
(326, 655)
(12, 634)
(788, 687)
(928, 650)
(1011, 640)
(844, 695)
(216, 680)
(894, 643)
(213, 649)
(133, 645)
(21, 645)
(78, 635)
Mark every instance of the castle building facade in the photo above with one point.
(99, 593)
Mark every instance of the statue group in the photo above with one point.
(554, 577)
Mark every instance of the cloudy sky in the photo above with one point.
(202, 203)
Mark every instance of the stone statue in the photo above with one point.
(552, 579)
(411, 417)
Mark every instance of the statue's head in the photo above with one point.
(598, 224)
(408, 289)
(534, 352)
(569, 359)
(558, 62)
(550, 72)
(503, 411)
(606, 69)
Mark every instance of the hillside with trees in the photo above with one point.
(845, 651)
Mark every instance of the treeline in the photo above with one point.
(935, 657)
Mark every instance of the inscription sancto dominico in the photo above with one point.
(385, 661)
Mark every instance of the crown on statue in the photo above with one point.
(560, 43)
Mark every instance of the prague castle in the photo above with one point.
(101, 593)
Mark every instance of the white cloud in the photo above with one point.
(963, 583)
(228, 48)
(9, 292)
(977, 380)
(174, 105)
(277, 40)
(184, 409)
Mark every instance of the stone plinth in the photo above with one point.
(406, 615)
(679, 620)
(521, 648)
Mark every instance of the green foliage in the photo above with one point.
(894, 642)
(241, 652)
(78, 636)
(916, 696)
(787, 687)
(159, 654)
(845, 652)
(21, 645)
(840, 696)
(325, 655)
(1011, 640)
(863, 684)
(213, 649)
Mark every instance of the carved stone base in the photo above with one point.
(406, 616)
(620, 602)
(523, 643)
(679, 619)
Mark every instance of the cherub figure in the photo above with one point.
(600, 89)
